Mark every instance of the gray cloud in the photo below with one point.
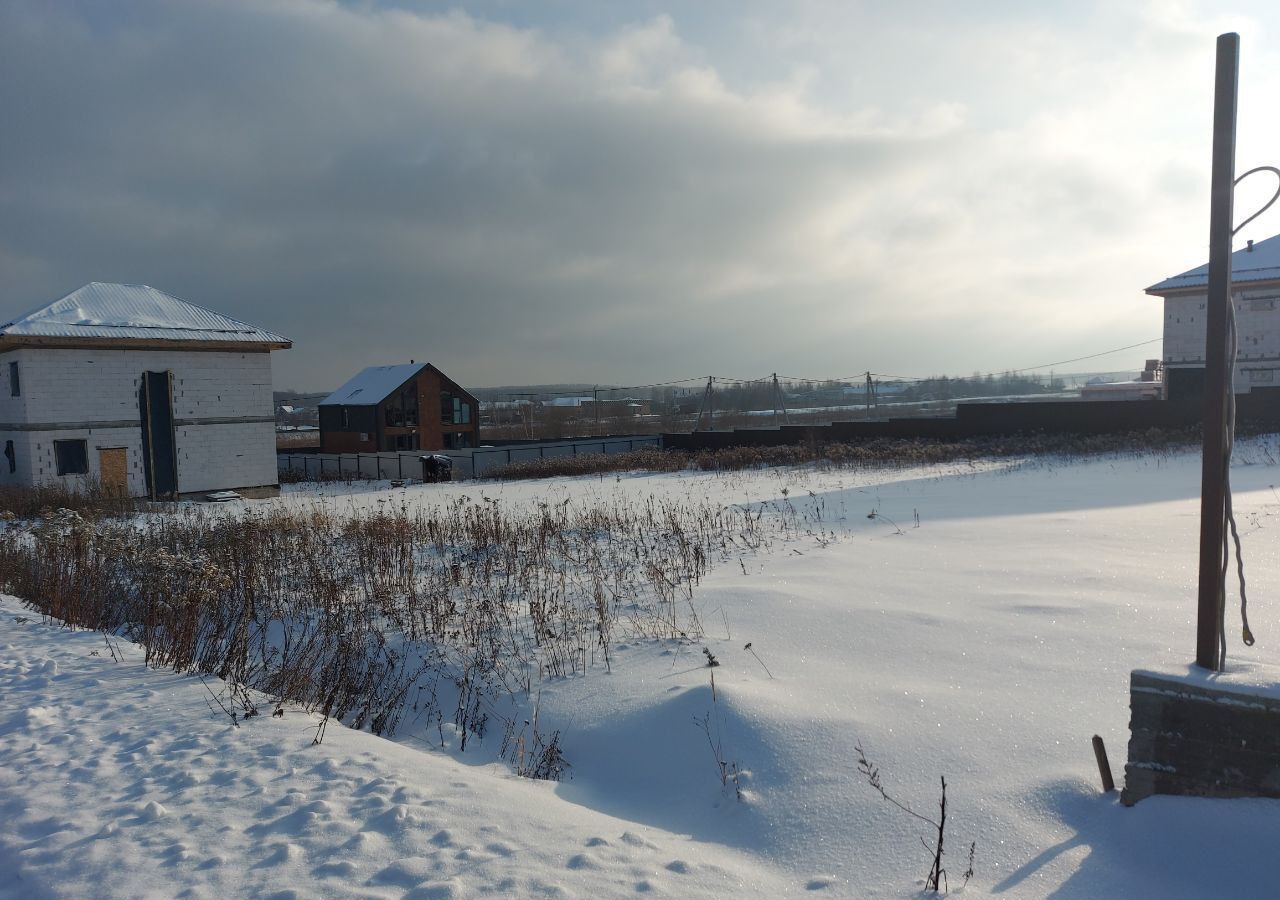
(525, 204)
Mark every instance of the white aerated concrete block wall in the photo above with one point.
(214, 457)
(1257, 327)
(93, 396)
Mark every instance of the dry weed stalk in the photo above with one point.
(352, 612)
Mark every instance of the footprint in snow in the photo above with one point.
(820, 883)
(679, 866)
(152, 812)
(408, 872)
(281, 854)
(436, 890)
(329, 768)
(364, 841)
(344, 869)
(581, 861)
(635, 840)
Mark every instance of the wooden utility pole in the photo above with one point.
(866, 398)
(711, 403)
(1216, 378)
(779, 403)
(708, 404)
(595, 405)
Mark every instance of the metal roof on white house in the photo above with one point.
(1259, 261)
(371, 386)
(136, 312)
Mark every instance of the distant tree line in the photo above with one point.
(942, 387)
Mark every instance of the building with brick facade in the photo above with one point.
(1255, 295)
(136, 390)
(413, 406)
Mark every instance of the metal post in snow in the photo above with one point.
(1214, 448)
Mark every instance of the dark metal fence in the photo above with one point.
(407, 465)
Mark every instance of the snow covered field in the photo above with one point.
(986, 645)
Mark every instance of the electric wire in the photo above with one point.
(1231, 533)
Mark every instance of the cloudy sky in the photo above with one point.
(629, 193)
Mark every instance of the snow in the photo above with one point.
(1259, 261)
(104, 310)
(1242, 678)
(370, 386)
(117, 781)
(986, 645)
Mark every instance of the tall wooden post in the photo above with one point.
(1216, 376)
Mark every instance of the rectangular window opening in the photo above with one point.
(15, 387)
(72, 457)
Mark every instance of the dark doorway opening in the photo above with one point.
(159, 443)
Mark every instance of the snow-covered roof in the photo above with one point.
(371, 386)
(133, 312)
(1258, 262)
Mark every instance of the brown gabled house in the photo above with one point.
(405, 407)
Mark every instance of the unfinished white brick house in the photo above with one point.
(134, 389)
(1255, 293)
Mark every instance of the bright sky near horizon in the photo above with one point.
(627, 193)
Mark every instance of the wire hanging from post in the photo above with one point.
(1231, 534)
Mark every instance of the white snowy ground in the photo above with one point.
(987, 645)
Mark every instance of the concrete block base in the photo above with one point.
(1204, 734)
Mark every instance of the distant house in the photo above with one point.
(1255, 292)
(143, 393)
(404, 407)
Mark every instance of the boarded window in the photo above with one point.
(72, 457)
(15, 389)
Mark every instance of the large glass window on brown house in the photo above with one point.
(454, 410)
(401, 410)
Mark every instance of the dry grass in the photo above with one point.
(450, 614)
(295, 440)
(880, 452)
(91, 501)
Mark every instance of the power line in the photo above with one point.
(901, 379)
(916, 380)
